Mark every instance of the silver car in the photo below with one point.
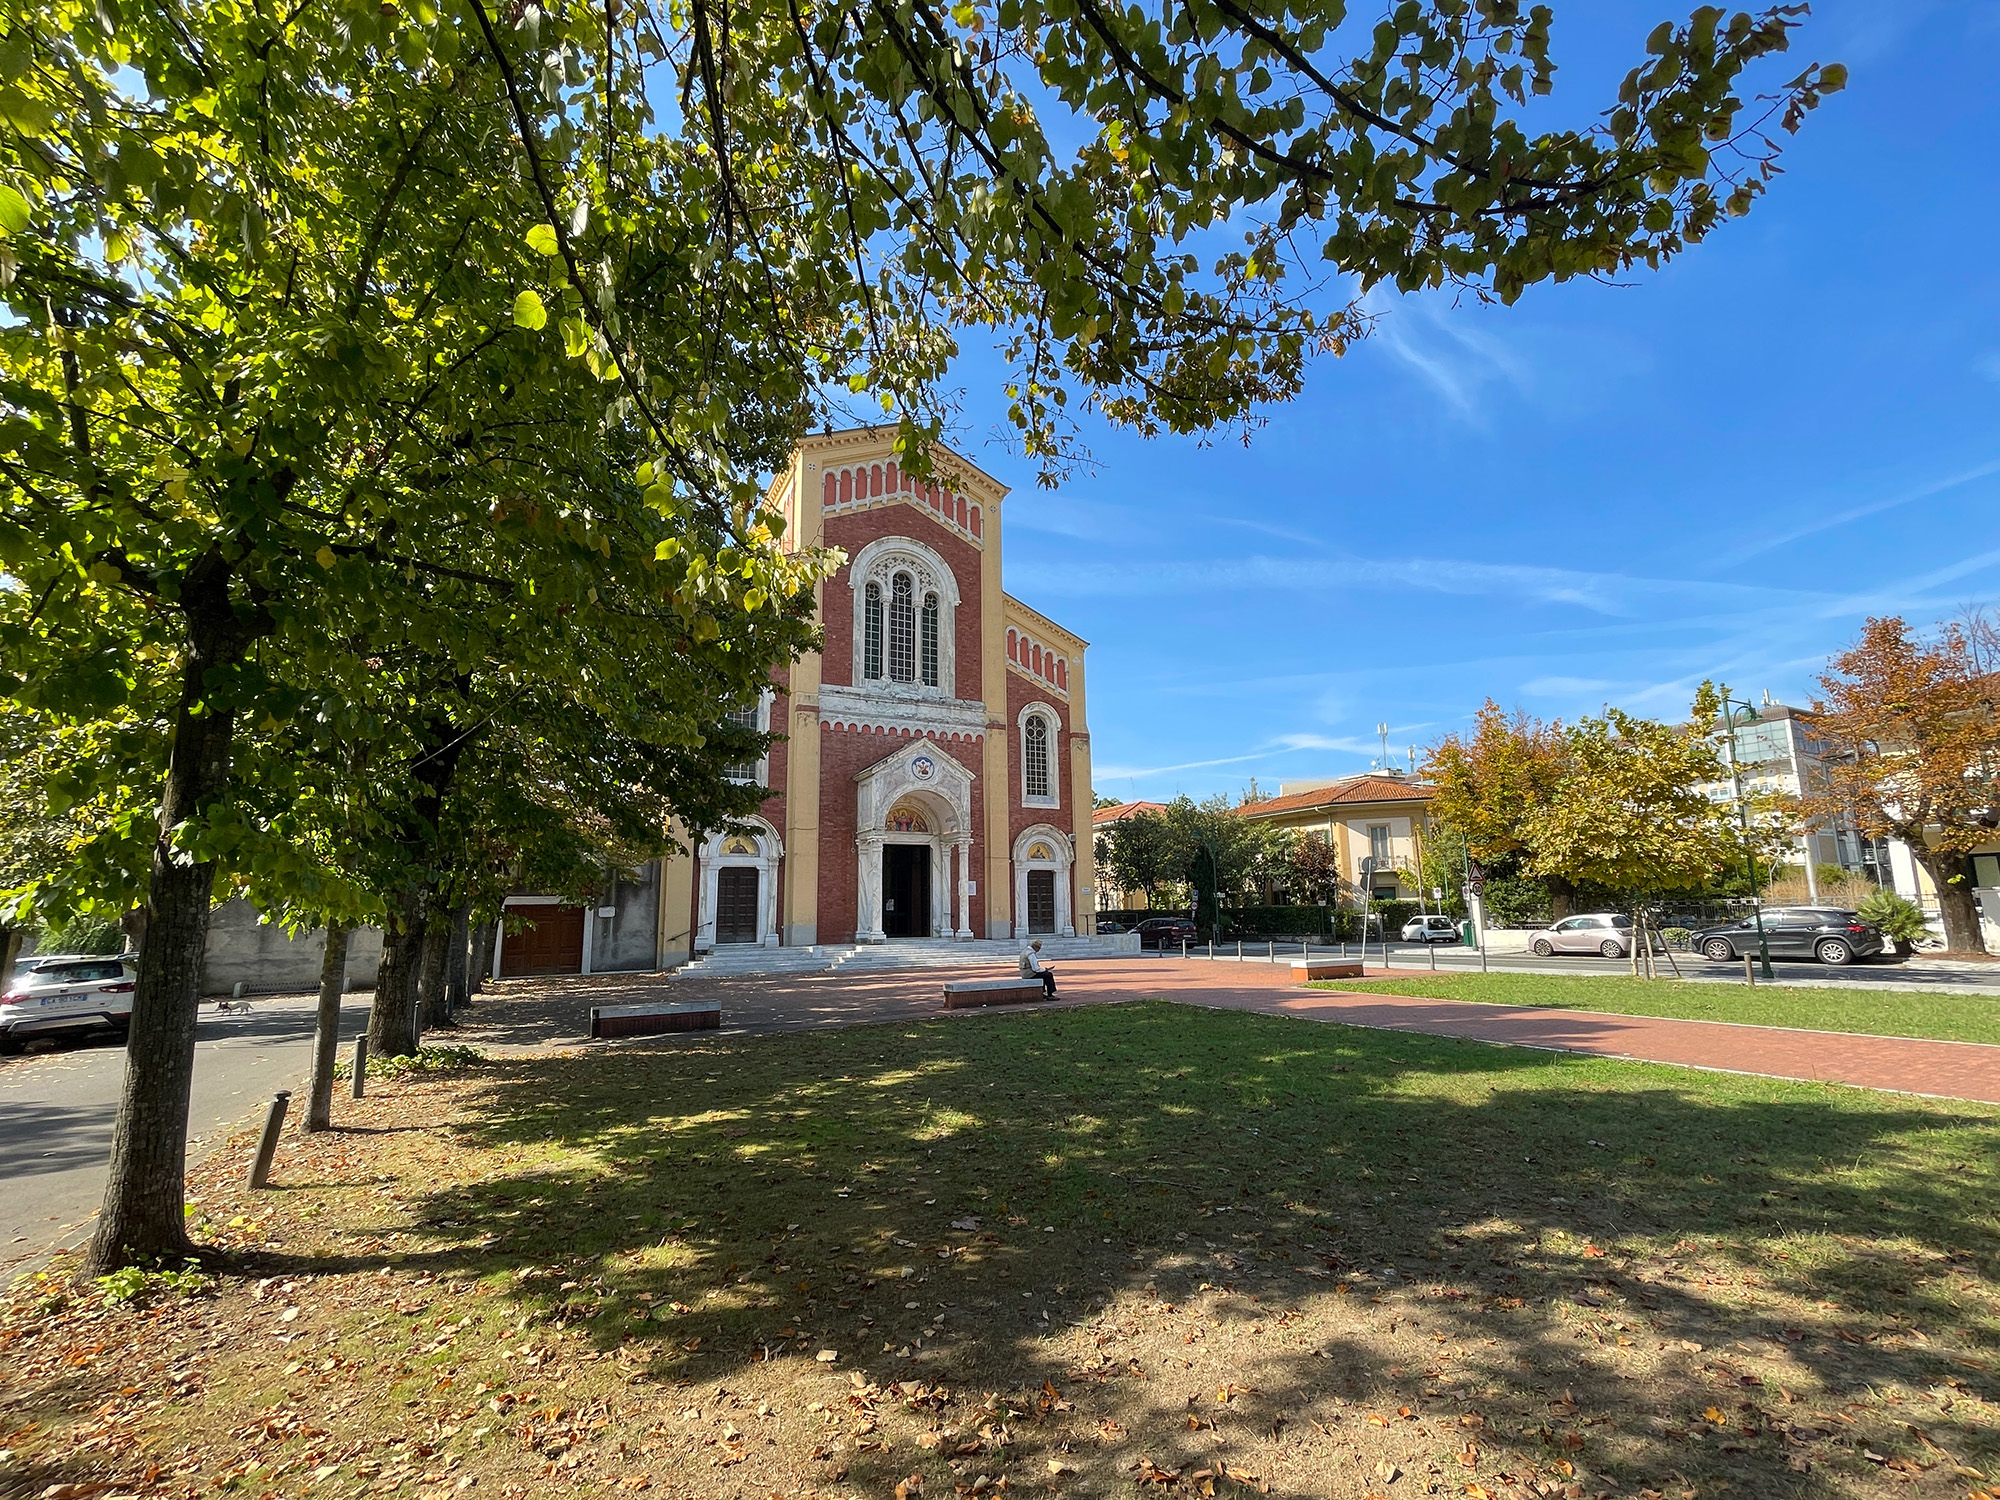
(1607, 934)
(64, 993)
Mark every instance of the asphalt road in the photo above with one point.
(1932, 975)
(57, 1109)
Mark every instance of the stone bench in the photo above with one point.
(1324, 968)
(654, 1020)
(966, 994)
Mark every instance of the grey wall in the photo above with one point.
(629, 939)
(265, 959)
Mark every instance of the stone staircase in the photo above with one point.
(899, 953)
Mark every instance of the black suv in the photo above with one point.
(1165, 932)
(1826, 933)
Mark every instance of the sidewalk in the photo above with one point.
(544, 1013)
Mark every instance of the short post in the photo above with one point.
(267, 1147)
(236, 990)
(1183, 947)
(1211, 945)
(1749, 971)
(1239, 950)
(361, 1065)
(1431, 948)
(1271, 950)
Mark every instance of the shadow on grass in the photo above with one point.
(1615, 1238)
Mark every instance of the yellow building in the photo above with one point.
(1377, 823)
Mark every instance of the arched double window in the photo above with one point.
(905, 599)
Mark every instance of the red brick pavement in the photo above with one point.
(555, 1011)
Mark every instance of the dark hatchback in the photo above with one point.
(1165, 932)
(1826, 933)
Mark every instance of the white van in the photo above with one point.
(65, 993)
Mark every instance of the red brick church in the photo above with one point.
(934, 778)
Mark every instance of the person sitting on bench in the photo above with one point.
(1032, 967)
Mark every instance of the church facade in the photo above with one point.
(933, 775)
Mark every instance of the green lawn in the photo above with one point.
(1951, 1018)
(1212, 1253)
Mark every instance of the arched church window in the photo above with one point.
(902, 630)
(930, 640)
(871, 649)
(1035, 757)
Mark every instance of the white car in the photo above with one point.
(1607, 934)
(1432, 930)
(67, 992)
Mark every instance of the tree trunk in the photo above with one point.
(1952, 874)
(482, 957)
(1562, 897)
(144, 1217)
(392, 1020)
(10, 953)
(433, 997)
(326, 1031)
(457, 977)
(134, 923)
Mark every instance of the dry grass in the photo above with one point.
(1127, 1250)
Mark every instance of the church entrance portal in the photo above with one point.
(906, 890)
(1041, 901)
(736, 905)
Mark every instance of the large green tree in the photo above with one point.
(305, 304)
(1494, 783)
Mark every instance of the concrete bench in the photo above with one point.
(966, 994)
(1324, 968)
(654, 1020)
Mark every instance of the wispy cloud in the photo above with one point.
(1852, 513)
(1564, 687)
(1451, 355)
(1614, 595)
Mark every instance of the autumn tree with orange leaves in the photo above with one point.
(1491, 783)
(1914, 743)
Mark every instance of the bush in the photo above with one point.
(83, 934)
(1391, 915)
(1517, 901)
(1895, 917)
(1675, 937)
(426, 1059)
(1315, 922)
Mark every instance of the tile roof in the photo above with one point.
(1354, 789)
(1124, 810)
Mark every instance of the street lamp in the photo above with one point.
(1729, 707)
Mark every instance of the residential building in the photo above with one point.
(1377, 821)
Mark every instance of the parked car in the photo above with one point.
(1606, 933)
(1827, 933)
(1431, 930)
(1110, 929)
(65, 993)
(1165, 932)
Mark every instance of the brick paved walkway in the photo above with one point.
(554, 1012)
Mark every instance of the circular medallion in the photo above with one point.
(923, 768)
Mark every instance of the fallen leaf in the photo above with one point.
(827, 1356)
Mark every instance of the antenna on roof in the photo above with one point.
(1413, 760)
(1383, 730)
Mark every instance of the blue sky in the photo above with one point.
(1602, 494)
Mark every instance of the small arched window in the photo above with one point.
(1035, 757)
(902, 630)
(930, 640)
(871, 646)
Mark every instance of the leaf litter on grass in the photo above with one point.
(1285, 1260)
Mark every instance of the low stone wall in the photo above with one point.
(267, 960)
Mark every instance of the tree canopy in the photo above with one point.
(1914, 730)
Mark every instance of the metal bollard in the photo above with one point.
(267, 1147)
(1183, 947)
(1211, 947)
(360, 1066)
(1271, 951)
(1749, 971)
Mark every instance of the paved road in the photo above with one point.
(1937, 975)
(57, 1108)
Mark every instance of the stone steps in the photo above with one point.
(921, 953)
